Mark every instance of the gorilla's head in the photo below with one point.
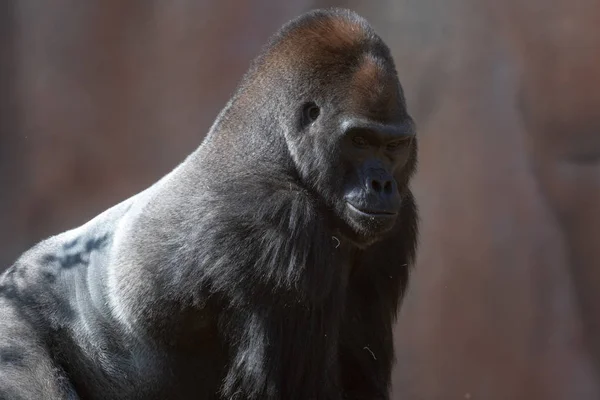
(327, 83)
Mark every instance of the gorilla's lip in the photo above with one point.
(372, 213)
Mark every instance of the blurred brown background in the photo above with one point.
(98, 99)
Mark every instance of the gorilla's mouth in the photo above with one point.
(368, 225)
(371, 213)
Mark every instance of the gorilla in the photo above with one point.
(268, 265)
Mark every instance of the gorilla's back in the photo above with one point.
(55, 307)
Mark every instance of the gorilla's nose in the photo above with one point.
(380, 183)
(382, 193)
(380, 186)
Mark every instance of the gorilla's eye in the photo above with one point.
(360, 141)
(394, 145)
(311, 113)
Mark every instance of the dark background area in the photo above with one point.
(99, 99)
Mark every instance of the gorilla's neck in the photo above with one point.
(243, 188)
(241, 141)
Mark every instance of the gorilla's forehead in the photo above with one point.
(374, 90)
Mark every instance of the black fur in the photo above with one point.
(241, 274)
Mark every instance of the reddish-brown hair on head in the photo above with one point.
(323, 30)
(333, 41)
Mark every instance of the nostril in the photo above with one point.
(376, 185)
(387, 188)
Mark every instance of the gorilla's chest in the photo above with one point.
(151, 374)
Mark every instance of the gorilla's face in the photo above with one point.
(356, 149)
(374, 156)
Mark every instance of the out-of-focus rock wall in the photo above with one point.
(99, 99)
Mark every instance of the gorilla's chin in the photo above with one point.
(367, 227)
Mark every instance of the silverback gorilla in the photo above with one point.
(268, 265)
